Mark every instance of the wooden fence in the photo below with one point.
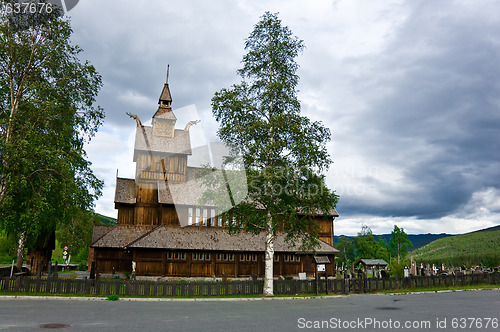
(30, 285)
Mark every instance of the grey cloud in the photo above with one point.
(435, 111)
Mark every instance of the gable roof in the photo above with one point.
(372, 262)
(194, 238)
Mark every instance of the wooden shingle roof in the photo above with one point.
(165, 94)
(194, 238)
(146, 141)
(125, 191)
(372, 262)
(120, 235)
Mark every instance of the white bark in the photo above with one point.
(269, 256)
(20, 251)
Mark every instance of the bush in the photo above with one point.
(113, 297)
(398, 269)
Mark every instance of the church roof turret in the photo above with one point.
(165, 100)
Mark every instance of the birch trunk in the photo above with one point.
(20, 252)
(269, 255)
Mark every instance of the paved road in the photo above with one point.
(360, 312)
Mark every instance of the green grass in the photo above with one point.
(441, 288)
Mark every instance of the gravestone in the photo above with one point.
(413, 268)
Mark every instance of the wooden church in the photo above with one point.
(161, 237)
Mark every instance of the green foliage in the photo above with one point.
(471, 249)
(366, 246)
(47, 113)
(399, 243)
(282, 152)
(396, 268)
(8, 246)
(77, 233)
(105, 220)
(113, 297)
(346, 247)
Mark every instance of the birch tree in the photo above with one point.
(284, 153)
(47, 113)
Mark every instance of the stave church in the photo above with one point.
(162, 230)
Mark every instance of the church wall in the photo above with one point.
(162, 262)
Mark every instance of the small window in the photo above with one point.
(197, 220)
(231, 257)
(169, 255)
(205, 213)
(297, 258)
(176, 255)
(287, 258)
(242, 257)
(224, 257)
(212, 217)
(190, 216)
(200, 256)
(254, 257)
(183, 255)
(219, 257)
(207, 256)
(249, 257)
(276, 258)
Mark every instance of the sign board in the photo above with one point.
(321, 260)
(65, 248)
(64, 257)
(321, 267)
(65, 252)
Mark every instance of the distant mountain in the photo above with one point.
(106, 221)
(418, 240)
(479, 247)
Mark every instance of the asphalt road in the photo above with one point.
(416, 312)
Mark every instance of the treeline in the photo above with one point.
(76, 234)
(365, 246)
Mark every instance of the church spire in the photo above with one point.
(165, 97)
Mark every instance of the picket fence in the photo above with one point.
(31, 285)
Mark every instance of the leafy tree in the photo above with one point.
(47, 113)
(77, 233)
(399, 243)
(346, 248)
(284, 153)
(367, 247)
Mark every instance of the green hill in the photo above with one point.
(417, 240)
(470, 249)
(107, 221)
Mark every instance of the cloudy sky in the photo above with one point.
(409, 89)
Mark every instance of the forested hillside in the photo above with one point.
(479, 247)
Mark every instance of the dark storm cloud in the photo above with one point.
(433, 110)
(131, 49)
